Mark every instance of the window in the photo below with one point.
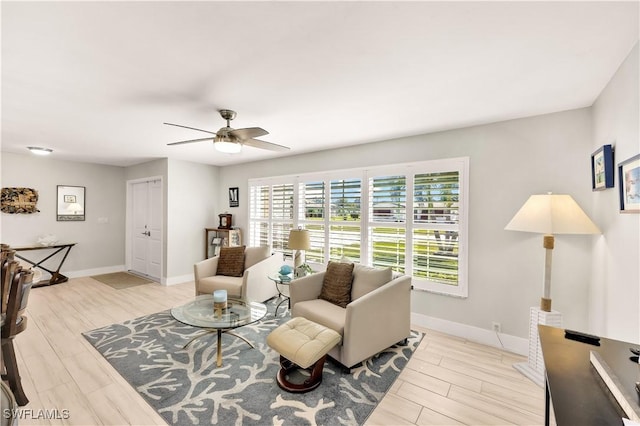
(271, 210)
(410, 217)
(344, 223)
(436, 200)
(312, 214)
(387, 227)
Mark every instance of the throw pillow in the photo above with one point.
(367, 278)
(231, 261)
(336, 285)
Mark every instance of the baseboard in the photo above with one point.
(120, 268)
(94, 271)
(177, 280)
(517, 345)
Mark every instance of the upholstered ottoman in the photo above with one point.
(302, 344)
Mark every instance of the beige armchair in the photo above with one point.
(378, 316)
(252, 285)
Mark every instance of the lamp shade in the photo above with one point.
(299, 239)
(552, 214)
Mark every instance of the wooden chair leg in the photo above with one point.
(12, 373)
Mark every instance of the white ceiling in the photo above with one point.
(94, 81)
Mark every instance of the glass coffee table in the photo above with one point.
(200, 313)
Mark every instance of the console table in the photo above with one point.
(579, 395)
(56, 276)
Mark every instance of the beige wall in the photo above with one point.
(99, 245)
(508, 162)
(614, 297)
(192, 194)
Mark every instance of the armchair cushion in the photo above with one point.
(336, 285)
(322, 312)
(231, 262)
(367, 278)
(253, 255)
(233, 285)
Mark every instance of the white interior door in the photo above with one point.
(146, 244)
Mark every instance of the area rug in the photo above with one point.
(121, 280)
(185, 387)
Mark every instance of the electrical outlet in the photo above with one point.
(496, 327)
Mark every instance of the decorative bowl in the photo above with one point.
(285, 270)
(47, 240)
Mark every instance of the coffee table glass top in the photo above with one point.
(200, 313)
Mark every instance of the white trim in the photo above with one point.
(178, 280)
(510, 343)
(95, 271)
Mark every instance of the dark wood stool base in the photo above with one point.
(309, 384)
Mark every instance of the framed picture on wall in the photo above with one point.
(234, 197)
(629, 178)
(70, 203)
(602, 168)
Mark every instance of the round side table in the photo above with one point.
(282, 282)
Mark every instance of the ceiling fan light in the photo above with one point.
(227, 147)
(39, 150)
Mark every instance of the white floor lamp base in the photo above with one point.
(534, 367)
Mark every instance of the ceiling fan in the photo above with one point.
(231, 140)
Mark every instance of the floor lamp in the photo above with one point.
(549, 215)
(299, 240)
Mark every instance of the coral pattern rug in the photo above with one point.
(185, 387)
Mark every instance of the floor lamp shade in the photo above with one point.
(299, 240)
(551, 214)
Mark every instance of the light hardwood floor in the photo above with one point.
(449, 381)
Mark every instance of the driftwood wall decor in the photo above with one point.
(18, 200)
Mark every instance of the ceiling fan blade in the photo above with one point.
(256, 143)
(187, 127)
(190, 141)
(248, 133)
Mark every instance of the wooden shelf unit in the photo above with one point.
(228, 238)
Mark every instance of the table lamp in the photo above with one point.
(299, 240)
(547, 214)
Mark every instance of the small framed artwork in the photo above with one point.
(602, 168)
(629, 178)
(70, 203)
(234, 197)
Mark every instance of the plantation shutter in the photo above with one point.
(388, 197)
(281, 215)
(436, 204)
(387, 231)
(344, 228)
(312, 214)
(259, 215)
